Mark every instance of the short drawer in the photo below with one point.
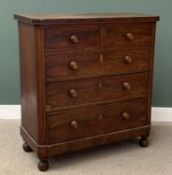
(72, 37)
(79, 65)
(96, 120)
(128, 34)
(70, 93)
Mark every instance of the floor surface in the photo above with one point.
(122, 158)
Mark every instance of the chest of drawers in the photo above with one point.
(86, 80)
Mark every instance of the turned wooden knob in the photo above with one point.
(74, 124)
(127, 59)
(129, 36)
(127, 85)
(125, 116)
(73, 93)
(73, 65)
(74, 39)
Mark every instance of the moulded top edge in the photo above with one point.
(50, 18)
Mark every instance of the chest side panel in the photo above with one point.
(32, 81)
(28, 79)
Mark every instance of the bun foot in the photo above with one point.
(144, 142)
(43, 165)
(27, 148)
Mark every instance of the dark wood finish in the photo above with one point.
(74, 124)
(27, 148)
(128, 34)
(127, 59)
(28, 75)
(73, 65)
(95, 120)
(126, 116)
(144, 142)
(123, 87)
(62, 18)
(45, 151)
(43, 165)
(75, 37)
(86, 80)
(32, 80)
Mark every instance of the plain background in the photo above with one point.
(9, 57)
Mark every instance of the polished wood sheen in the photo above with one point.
(111, 88)
(27, 148)
(86, 121)
(72, 65)
(76, 37)
(128, 34)
(86, 80)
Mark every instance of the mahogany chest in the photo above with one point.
(86, 80)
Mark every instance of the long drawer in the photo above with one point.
(122, 87)
(96, 120)
(63, 66)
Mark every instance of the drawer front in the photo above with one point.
(69, 93)
(96, 120)
(72, 37)
(78, 65)
(128, 34)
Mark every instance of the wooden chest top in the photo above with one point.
(41, 18)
